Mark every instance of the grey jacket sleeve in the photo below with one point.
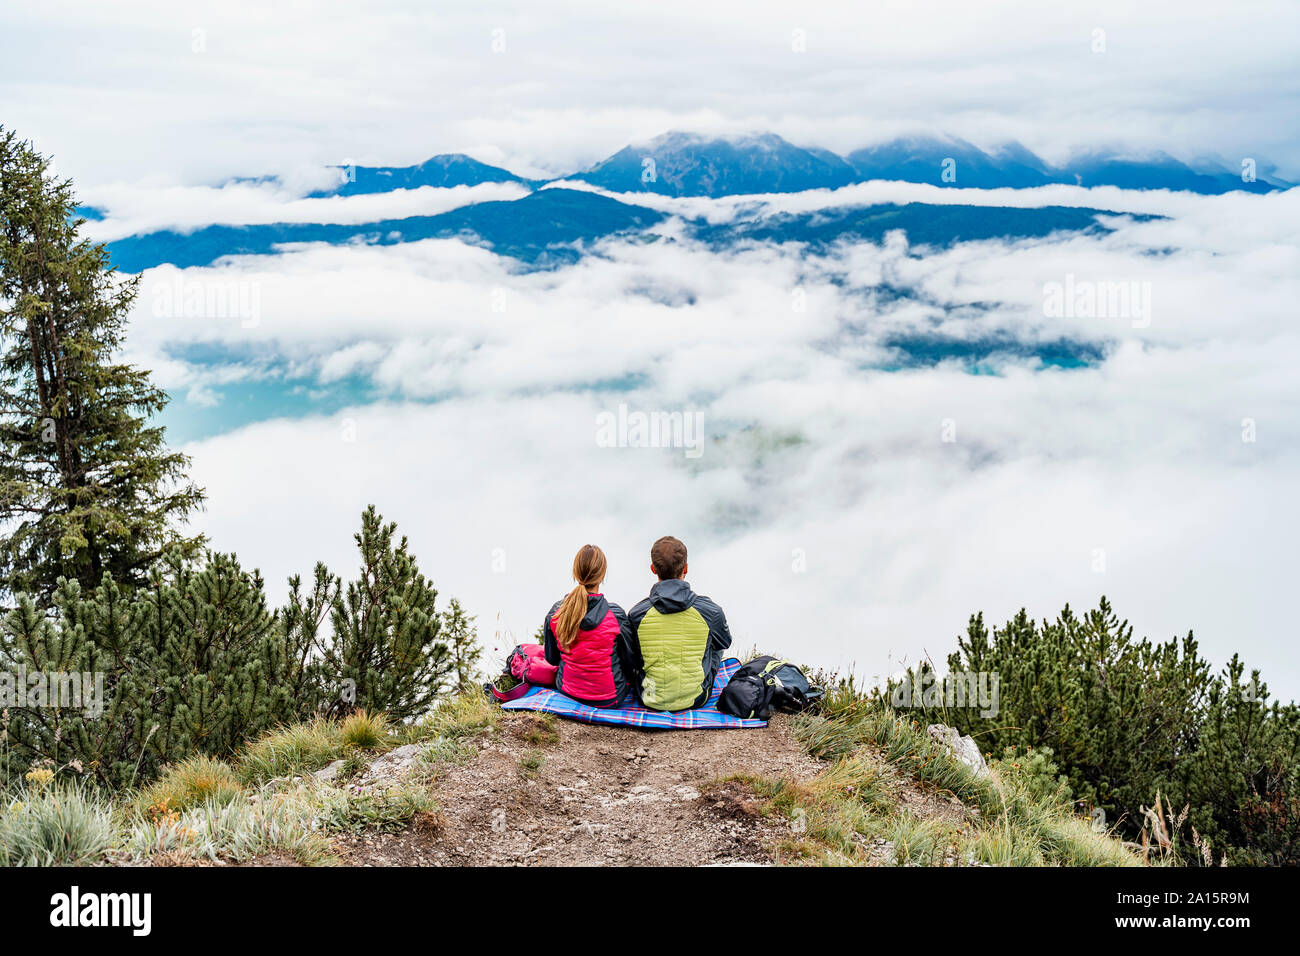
(719, 633)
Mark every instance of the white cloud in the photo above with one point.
(132, 209)
(809, 446)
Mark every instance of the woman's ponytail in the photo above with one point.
(588, 571)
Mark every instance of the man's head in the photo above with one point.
(668, 558)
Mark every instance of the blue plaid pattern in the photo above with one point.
(632, 714)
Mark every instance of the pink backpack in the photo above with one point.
(527, 664)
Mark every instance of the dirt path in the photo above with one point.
(597, 795)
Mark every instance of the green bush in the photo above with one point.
(1128, 719)
(1035, 771)
(195, 664)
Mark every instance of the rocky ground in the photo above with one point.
(557, 792)
(479, 787)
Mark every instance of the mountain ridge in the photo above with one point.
(554, 226)
(682, 163)
(443, 171)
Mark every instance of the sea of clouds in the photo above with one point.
(847, 507)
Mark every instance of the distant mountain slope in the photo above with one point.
(1158, 171)
(541, 226)
(549, 225)
(451, 169)
(545, 227)
(922, 159)
(680, 164)
(685, 164)
(924, 223)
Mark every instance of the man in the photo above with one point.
(678, 636)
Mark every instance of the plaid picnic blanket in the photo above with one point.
(632, 714)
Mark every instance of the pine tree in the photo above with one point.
(192, 662)
(305, 644)
(1242, 783)
(386, 645)
(214, 649)
(1128, 720)
(87, 485)
(461, 636)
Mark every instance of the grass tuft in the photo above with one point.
(465, 715)
(56, 826)
(531, 762)
(291, 750)
(188, 784)
(365, 731)
(536, 730)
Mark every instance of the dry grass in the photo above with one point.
(852, 812)
(188, 784)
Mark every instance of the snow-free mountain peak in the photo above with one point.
(679, 163)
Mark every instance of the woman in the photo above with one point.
(586, 638)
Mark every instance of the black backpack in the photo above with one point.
(766, 683)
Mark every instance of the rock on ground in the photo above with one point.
(963, 748)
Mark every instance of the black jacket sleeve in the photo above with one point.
(629, 651)
(551, 647)
(622, 665)
(633, 641)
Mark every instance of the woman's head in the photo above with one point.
(589, 572)
(589, 566)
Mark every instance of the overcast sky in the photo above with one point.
(184, 92)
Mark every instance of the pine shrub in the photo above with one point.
(1127, 720)
(194, 663)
